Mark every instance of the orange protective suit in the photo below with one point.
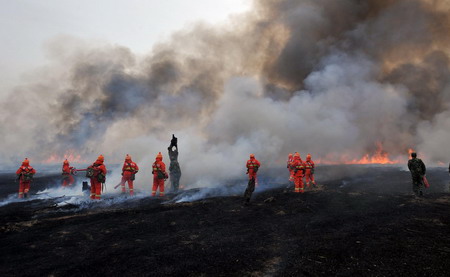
(289, 167)
(25, 174)
(309, 171)
(129, 169)
(68, 179)
(298, 173)
(98, 178)
(252, 168)
(159, 175)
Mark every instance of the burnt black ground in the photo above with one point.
(361, 221)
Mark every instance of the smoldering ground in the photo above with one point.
(46, 190)
(333, 230)
(332, 78)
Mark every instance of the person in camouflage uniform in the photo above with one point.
(174, 168)
(418, 170)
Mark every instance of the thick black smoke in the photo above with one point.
(335, 78)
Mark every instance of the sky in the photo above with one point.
(27, 25)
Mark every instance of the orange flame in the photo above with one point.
(70, 155)
(380, 156)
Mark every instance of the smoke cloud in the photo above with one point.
(331, 78)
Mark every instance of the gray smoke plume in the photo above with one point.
(334, 78)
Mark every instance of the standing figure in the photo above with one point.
(97, 173)
(418, 171)
(25, 175)
(174, 168)
(67, 170)
(309, 171)
(129, 170)
(159, 175)
(252, 169)
(289, 167)
(299, 168)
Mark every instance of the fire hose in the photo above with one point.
(74, 171)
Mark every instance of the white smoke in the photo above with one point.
(331, 79)
(74, 196)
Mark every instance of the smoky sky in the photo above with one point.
(334, 78)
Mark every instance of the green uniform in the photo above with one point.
(418, 170)
(174, 168)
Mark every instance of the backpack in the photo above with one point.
(160, 174)
(101, 178)
(27, 175)
(90, 172)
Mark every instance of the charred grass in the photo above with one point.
(330, 231)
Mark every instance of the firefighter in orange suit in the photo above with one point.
(25, 175)
(309, 171)
(252, 168)
(68, 179)
(289, 167)
(129, 170)
(159, 175)
(299, 168)
(97, 172)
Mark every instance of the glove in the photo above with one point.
(122, 173)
